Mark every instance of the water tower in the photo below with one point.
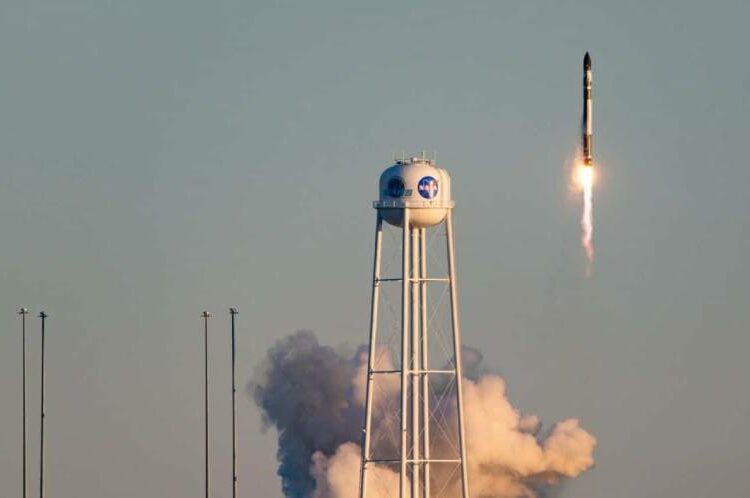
(416, 205)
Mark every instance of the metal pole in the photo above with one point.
(233, 313)
(43, 316)
(206, 315)
(23, 312)
(457, 353)
(425, 363)
(371, 354)
(415, 362)
(404, 350)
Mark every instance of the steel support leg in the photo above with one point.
(372, 354)
(457, 351)
(404, 352)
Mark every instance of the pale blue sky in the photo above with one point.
(162, 157)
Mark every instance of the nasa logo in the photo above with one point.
(428, 187)
(396, 187)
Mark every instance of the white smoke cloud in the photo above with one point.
(338, 476)
(509, 456)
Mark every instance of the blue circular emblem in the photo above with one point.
(428, 187)
(395, 187)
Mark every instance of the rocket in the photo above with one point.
(587, 127)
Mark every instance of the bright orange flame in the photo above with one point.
(585, 175)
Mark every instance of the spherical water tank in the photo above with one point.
(420, 186)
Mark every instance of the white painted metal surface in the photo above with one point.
(418, 184)
(414, 196)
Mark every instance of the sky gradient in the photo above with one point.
(164, 157)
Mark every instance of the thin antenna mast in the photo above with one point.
(233, 313)
(42, 410)
(23, 312)
(206, 315)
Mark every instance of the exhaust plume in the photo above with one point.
(586, 180)
(314, 397)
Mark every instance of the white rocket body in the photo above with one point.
(587, 112)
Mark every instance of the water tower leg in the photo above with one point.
(404, 352)
(424, 363)
(372, 354)
(415, 367)
(457, 352)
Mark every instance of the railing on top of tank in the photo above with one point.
(404, 203)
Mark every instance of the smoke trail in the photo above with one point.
(313, 396)
(586, 176)
(306, 393)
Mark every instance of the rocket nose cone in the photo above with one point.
(587, 61)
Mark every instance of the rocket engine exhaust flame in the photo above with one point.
(586, 180)
(314, 397)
